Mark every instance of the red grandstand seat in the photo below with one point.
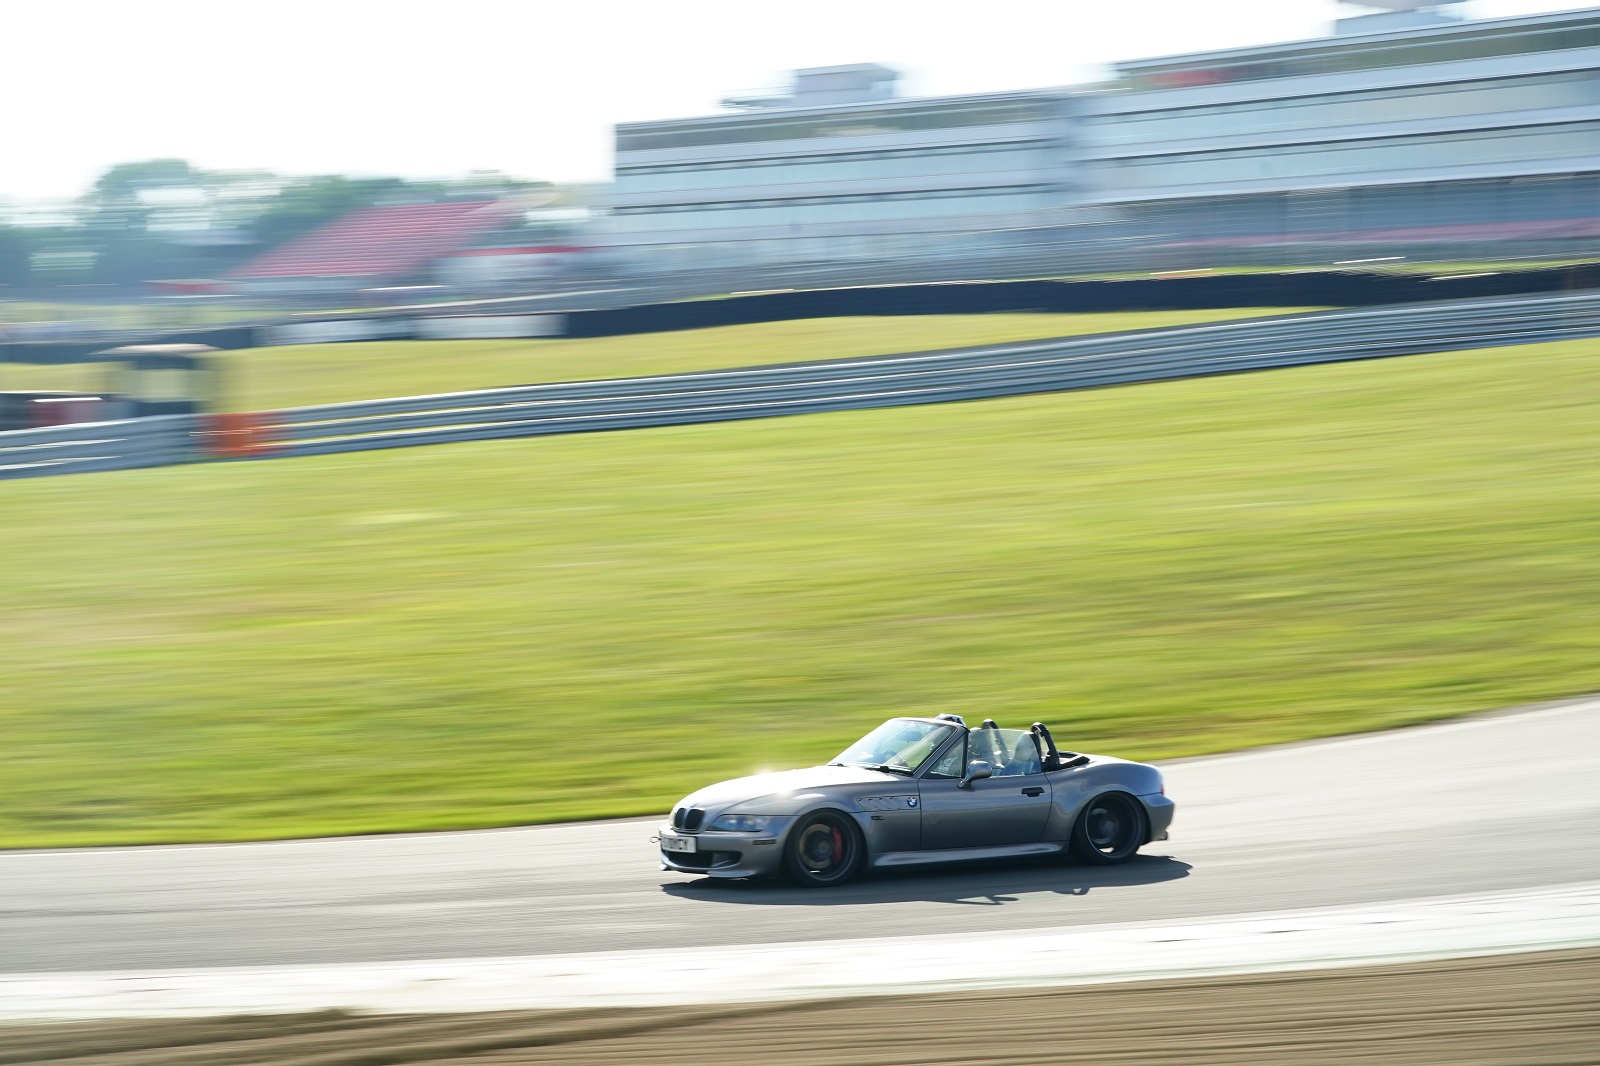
(378, 242)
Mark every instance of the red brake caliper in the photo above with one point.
(838, 845)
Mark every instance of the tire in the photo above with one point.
(824, 849)
(1110, 829)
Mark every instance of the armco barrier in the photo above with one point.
(884, 381)
(336, 331)
(972, 373)
(237, 434)
(490, 327)
(95, 446)
(442, 327)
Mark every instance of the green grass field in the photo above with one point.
(298, 375)
(554, 628)
(164, 314)
(333, 373)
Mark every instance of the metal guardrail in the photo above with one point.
(972, 373)
(884, 381)
(94, 446)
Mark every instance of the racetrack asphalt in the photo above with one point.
(1497, 802)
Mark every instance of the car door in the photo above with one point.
(1011, 807)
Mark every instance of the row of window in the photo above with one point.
(851, 124)
(849, 198)
(1382, 156)
(970, 148)
(1418, 103)
(1320, 213)
(1485, 44)
(784, 215)
(699, 255)
(1377, 208)
(900, 171)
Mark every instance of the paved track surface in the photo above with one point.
(1524, 1009)
(1498, 802)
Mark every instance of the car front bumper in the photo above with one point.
(725, 854)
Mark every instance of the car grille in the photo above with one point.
(688, 819)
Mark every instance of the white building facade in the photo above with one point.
(805, 182)
(1466, 124)
(1405, 122)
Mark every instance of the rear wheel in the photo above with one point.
(824, 849)
(1109, 829)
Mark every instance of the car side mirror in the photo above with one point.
(977, 770)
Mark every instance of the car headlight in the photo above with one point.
(742, 823)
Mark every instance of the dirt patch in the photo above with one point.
(1542, 1008)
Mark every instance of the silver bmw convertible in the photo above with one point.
(916, 791)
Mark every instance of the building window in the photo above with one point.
(846, 124)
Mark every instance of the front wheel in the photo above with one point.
(824, 849)
(1109, 829)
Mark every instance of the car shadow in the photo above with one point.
(988, 884)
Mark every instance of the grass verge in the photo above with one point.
(298, 375)
(557, 628)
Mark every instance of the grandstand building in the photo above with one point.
(1408, 130)
(1433, 132)
(469, 245)
(838, 170)
(373, 246)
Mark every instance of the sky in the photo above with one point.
(528, 87)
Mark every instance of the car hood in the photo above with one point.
(787, 791)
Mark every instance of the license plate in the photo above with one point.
(677, 843)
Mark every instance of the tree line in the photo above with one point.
(165, 219)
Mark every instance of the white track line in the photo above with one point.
(1448, 927)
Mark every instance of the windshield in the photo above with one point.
(899, 745)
